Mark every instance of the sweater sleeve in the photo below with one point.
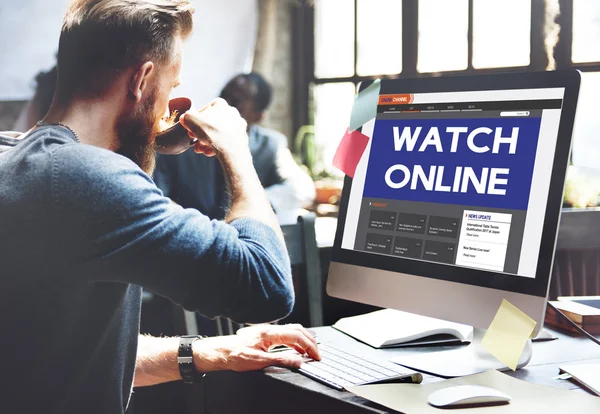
(119, 227)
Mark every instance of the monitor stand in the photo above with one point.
(461, 361)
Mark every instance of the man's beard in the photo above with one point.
(137, 134)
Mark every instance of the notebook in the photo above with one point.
(391, 328)
(593, 301)
(587, 375)
(584, 315)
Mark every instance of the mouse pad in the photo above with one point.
(526, 397)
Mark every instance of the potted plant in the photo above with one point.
(328, 182)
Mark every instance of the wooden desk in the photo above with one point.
(279, 390)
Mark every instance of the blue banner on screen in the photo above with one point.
(473, 162)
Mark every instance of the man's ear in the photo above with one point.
(139, 80)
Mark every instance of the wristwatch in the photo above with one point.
(185, 359)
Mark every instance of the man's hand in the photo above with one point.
(249, 349)
(221, 131)
(219, 128)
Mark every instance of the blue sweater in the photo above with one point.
(81, 230)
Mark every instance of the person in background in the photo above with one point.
(84, 227)
(288, 187)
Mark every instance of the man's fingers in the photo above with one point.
(292, 335)
(207, 150)
(218, 101)
(307, 340)
(282, 359)
(297, 348)
(310, 347)
(299, 341)
(253, 359)
(200, 122)
(193, 122)
(310, 335)
(201, 142)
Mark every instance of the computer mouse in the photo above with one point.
(465, 395)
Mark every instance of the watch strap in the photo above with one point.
(185, 359)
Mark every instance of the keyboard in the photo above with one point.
(340, 368)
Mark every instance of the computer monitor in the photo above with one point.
(455, 203)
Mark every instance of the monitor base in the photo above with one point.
(459, 362)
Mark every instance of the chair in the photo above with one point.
(301, 243)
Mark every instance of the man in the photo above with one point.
(83, 227)
(287, 186)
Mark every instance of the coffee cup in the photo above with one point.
(175, 139)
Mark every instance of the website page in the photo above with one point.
(458, 178)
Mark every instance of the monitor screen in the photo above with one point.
(459, 178)
(456, 200)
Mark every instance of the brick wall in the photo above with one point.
(273, 59)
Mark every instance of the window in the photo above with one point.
(586, 134)
(333, 103)
(443, 35)
(334, 38)
(501, 33)
(586, 31)
(356, 40)
(585, 56)
(379, 37)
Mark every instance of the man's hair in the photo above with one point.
(262, 93)
(100, 38)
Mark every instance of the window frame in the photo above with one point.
(304, 50)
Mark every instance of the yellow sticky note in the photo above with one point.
(508, 333)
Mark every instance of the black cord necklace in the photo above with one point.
(42, 123)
